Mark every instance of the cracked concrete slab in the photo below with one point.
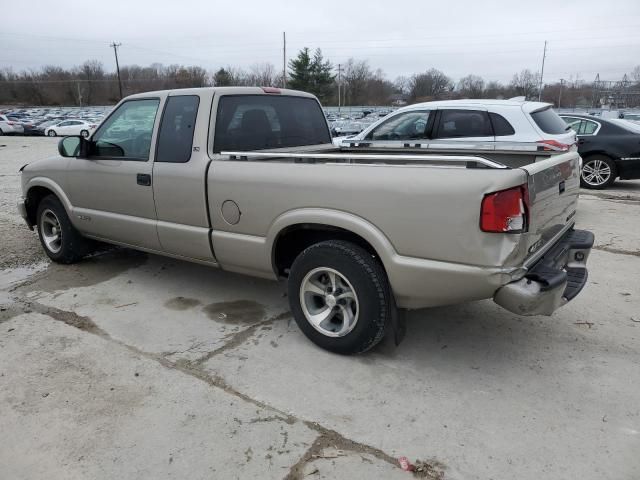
(181, 310)
(89, 408)
(483, 391)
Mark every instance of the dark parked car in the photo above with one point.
(609, 149)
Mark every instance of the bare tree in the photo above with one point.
(429, 85)
(263, 75)
(525, 84)
(356, 76)
(471, 86)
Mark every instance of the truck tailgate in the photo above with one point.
(553, 186)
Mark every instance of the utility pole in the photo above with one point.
(544, 55)
(115, 50)
(284, 59)
(339, 82)
(560, 93)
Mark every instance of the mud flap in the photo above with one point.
(398, 322)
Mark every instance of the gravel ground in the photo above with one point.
(129, 365)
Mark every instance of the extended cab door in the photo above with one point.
(462, 128)
(179, 176)
(111, 190)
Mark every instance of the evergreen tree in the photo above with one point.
(300, 71)
(222, 78)
(323, 77)
(311, 75)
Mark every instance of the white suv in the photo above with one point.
(463, 124)
(9, 126)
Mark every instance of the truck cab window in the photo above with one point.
(175, 139)
(127, 132)
(255, 122)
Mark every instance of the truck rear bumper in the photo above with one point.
(553, 280)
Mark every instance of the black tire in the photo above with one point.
(594, 184)
(52, 133)
(84, 133)
(73, 247)
(369, 281)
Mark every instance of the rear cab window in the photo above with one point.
(175, 138)
(549, 121)
(257, 122)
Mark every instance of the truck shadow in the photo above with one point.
(478, 336)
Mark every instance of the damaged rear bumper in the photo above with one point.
(552, 281)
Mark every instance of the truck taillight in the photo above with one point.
(505, 211)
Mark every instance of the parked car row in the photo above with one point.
(610, 148)
(51, 122)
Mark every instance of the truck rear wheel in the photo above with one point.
(61, 241)
(340, 296)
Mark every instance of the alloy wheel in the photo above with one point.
(596, 172)
(329, 302)
(51, 231)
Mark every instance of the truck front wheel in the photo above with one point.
(340, 296)
(61, 241)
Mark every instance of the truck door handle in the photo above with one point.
(143, 179)
(581, 141)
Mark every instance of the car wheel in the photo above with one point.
(51, 133)
(84, 133)
(61, 241)
(340, 296)
(598, 172)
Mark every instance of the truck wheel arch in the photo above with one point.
(37, 190)
(293, 232)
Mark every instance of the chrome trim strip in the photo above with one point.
(630, 158)
(378, 157)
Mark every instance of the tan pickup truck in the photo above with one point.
(247, 180)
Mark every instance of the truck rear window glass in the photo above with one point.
(501, 126)
(176, 130)
(549, 122)
(256, 122)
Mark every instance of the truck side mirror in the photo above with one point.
(70, 146)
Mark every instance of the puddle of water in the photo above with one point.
(238, 311)
(12, 276)
(181, 303)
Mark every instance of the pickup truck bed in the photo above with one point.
(259, 189)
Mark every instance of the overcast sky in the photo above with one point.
(493, 39)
